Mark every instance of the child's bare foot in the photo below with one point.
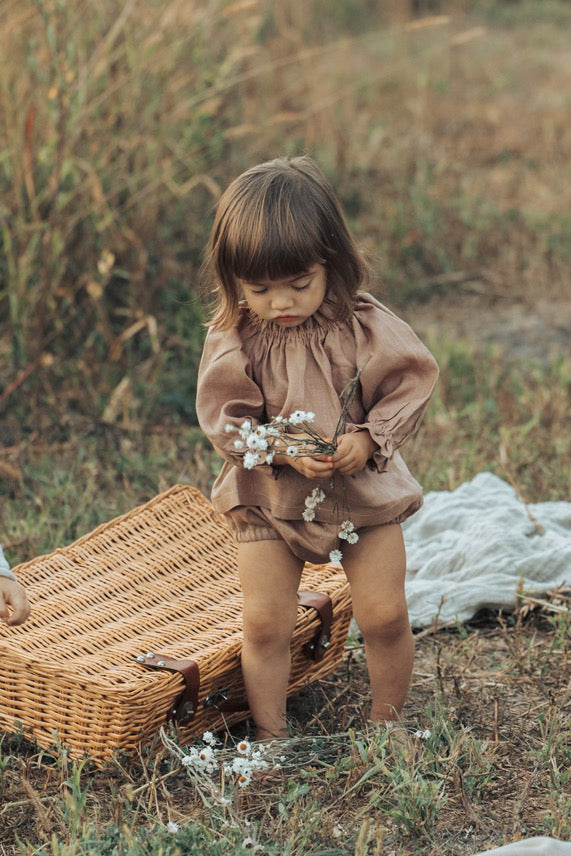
(263, 735)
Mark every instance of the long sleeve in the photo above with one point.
(397, 379)
(226, 392)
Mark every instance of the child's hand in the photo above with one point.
(13, 595)
(353, 452)
(319, 467)
(310, 466)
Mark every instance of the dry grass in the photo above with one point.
(495, 697)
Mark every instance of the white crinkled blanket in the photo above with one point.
(540, 846)
(468, 548)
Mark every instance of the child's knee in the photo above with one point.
(267, 626)
(383, 623)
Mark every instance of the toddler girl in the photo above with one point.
(290, 329)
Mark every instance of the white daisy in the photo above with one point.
(250, 460)
(243, 747)
(254, 441)
(299, 416)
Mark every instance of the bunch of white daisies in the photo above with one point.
(257, 443)
(248, 761)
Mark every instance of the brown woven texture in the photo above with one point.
(160, 579)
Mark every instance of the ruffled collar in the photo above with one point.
(318, 325)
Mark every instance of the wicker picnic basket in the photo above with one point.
(139, 623)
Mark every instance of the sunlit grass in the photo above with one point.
(446, 138)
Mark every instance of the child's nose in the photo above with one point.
(282, 299)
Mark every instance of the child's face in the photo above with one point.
(290, 301)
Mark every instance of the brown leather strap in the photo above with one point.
(185, 705)
(316, 648)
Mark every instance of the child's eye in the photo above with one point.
(301, 287)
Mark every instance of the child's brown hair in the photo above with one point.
(278, 219)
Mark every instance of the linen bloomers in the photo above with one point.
(310, 542)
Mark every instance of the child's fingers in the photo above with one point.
(313, 467)
(343, 458)
(19, 615)
(319, 472)
(348, 468)
(348, 463)
(19, 607)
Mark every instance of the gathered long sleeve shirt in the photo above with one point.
(258, 370)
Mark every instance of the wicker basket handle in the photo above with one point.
(185, 705)
(316, 648)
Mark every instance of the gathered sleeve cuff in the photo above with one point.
(227, 393)
(397, 380)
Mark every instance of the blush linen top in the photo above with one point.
(258, 370)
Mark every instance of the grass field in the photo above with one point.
(446, 133)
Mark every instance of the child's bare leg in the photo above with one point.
(269, 575)
(375, 568)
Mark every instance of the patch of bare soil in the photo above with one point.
(525, 331)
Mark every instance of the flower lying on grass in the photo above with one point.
(244, 767)
(201, 762)
(214, 771)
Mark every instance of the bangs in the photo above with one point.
(272, 258)
(274, 235)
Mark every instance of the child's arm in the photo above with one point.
(14, 605)
(226, 393)
(397, 380)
